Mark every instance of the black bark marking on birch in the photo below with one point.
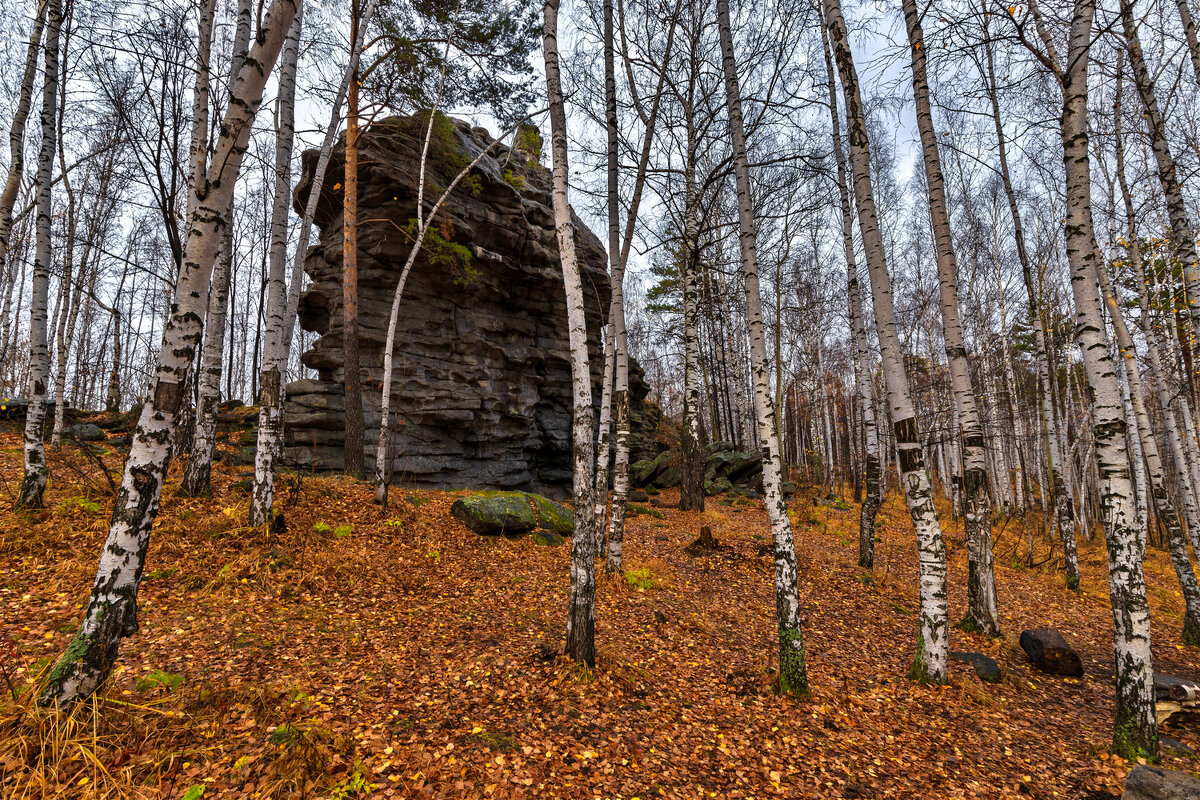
(167, 396)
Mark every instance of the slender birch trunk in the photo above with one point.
(111, 612)
(424, 222)
(793, 672)
(197, 475)
(61, 339)
(620, 399)
(1189, 31)
(616, 520)
(933, 621)
(33, 484)
(581, 609)
(1177, 540)
(1055, 465)
(270, 397)
(1135, 730)
(982, 614)
(16, 139)
(691, 488)
(1158, 374)
(1182, 233)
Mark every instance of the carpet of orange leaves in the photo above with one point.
(396, 654)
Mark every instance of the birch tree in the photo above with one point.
(581, 607)
(933, 614)
(16, 134)
(872, 466)
(793, 672)
(197, 475)
(1135, 730)
(111, 611)
(36, 475)
(270, 397)
(982, 615)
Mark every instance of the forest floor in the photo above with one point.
(398, 654)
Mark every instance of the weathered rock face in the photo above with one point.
(482, 379)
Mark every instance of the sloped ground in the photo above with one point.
(399, 655)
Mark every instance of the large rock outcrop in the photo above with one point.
(482, 383)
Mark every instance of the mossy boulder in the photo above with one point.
(512, 514)
(548, 538)
(718, 486)
(551, 516)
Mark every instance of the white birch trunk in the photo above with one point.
(197, 475)
(270, 382)
(16, 146)
(982, 614)
(933, 613)
(581, 612)
(793, 672)
(33, 483)
(1177, 540)
(111, 612)
(1135, 727)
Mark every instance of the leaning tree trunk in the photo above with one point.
(581, 609)
(872, 468)
(1158, 375)
(1182, 235)
(793, 672)
(424, 222)
(111, 612)
(933, 621)
(33, 484)
(1189, 31)
(982, 615)
(1055, 460)
(197, 475)
(1135, 731)
(270, 382)
(16, 137)
(1177, 541)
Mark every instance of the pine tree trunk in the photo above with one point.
(33, 484)
(793, 672)
(933, 614)
(111, 612)
(353, 454)
(317, 184)
(1135, 727)
(982, 614)
(270, 389)
(581, 612)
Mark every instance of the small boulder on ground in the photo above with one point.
(87, 432)
(985, 667)
(512, 514)
(1157, 783)
(1050, 653)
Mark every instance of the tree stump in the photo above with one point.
(1050, 653)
